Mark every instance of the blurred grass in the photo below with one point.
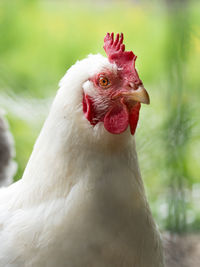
(40, 40)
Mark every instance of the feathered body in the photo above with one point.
(81, 200)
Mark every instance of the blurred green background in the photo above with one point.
(40, 40)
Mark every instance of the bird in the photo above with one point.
(8, 166)
(81, 201)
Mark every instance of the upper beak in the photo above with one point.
(139, 95)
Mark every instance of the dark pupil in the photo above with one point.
(104, 81)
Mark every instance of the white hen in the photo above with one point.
(81, 200)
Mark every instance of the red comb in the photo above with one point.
(125, 60)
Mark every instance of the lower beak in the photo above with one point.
(139, 95)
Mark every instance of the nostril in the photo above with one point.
(133, 85)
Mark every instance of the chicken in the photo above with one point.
(81, 201)
(8, 166)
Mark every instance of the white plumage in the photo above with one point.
(8, 166)
(81, 200)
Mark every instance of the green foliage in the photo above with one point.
(40, 40)
(24, 138)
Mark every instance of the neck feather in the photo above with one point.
(63, 155)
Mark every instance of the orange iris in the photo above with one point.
(104, 82)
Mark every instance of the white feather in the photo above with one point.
(8, 166)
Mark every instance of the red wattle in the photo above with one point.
(116, 119)
(133, 117)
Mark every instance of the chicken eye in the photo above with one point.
(104, 82)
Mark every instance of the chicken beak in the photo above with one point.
(139, 95)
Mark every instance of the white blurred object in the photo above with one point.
(8, 166)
